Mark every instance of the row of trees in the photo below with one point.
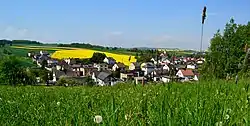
(227, 51)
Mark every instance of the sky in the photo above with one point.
(122, 23)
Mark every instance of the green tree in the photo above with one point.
(12, 72)
(226, 50)
(97, 58)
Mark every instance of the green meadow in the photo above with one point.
(204, 103)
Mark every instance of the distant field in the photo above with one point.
(207, 103)
(68, 52)
(24, 51)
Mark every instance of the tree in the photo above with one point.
(97, 57)
(12, 72)
(226, 50)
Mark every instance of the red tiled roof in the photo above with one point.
(187, 72)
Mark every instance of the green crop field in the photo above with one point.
(22, 52)
(204, 103)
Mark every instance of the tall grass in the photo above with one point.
(205, 103)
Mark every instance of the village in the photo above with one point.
(110, 72)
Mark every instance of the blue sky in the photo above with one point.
(125, 23)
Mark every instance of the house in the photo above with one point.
(199, 61)
(61, 65)
(94, 75)
(109, 60)
(147, 68)
(166, 67)
(126, 76)
(57, 74)
(101, 66)
(135, 66)
(180, 66)
(166, 79)
(40, 59)
(52, 61)
(190, 66)
(164, 61)
(118, 67)
(70, 61)
(87, 70)
(154, 60)
(158, 73)
(69, 73)
(185, 74)
(104, 78)
(78, 69)
(44, 53)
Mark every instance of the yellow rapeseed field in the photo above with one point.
(69, 52)
(87, 53)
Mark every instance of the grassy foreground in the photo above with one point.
(219, 103)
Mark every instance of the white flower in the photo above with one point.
(126, 117)
(98, 119)
(227, 117)
(218, 123)
(58, 103)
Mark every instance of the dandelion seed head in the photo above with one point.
(98, 119)
(227, 117)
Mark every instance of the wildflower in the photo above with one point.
(127, 116)
(98, 119)
(218, 123)
(58, 103)
(227, 117)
